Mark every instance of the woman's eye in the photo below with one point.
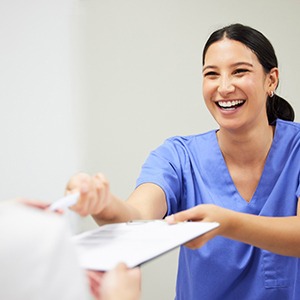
(210, 74)
(240, 71)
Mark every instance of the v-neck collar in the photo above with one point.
(266, 180)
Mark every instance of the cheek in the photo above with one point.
(207, 95)
(255, 93)
(208, 89)
(251, 86)
(249, 83)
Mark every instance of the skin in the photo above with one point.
(231, 72)
(121, 283)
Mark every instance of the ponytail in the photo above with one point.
(279, 108)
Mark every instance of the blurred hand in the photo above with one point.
(33, 203)
(94, 193)
(121, 284)
(37, 204)
(95, 278)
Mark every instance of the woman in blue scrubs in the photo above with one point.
(244, 175)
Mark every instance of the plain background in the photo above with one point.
(95, 85)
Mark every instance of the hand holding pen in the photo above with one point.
(94, 193)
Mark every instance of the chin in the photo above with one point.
(231, 124)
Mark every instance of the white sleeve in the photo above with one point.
(37, 259)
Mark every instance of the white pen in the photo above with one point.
(65, 202)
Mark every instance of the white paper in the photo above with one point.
(134, 243)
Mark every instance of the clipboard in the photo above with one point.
(134, 243)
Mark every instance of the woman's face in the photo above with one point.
(235, 86)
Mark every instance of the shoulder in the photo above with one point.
(181, 147)
(287, 129)
(288, 125)
(190, 140)
(287, 135)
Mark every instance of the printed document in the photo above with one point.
(134, 243)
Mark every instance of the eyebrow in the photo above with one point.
(233, 65)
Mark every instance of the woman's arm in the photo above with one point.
(280, 235)
(146, 202)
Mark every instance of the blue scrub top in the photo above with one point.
(191, 170)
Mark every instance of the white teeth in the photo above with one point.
(228, 104)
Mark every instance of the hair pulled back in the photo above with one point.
(277, 107)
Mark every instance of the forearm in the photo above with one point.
(146, 202)
(117, 211)
(280, 235)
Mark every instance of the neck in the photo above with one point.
(251, 147)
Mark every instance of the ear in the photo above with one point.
(273, 80)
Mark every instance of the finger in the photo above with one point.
(136, 273)
(102, 192)
(102, 184)
(75, 182)
(193, 214)
(81, 182)
(93, 194)
(95, 276)
(94, 282)
(121, 267)
(34, 203)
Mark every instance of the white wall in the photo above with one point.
(40, 146)
(95, 85)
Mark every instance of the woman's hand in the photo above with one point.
(94, 193)
(205, 213)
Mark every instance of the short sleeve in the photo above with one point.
(298, 189)
(163, 168)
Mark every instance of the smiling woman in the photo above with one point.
(264, 57)
(244, 175)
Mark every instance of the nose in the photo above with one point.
(225, 86)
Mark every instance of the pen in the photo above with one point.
(65, 202)
(138, 222)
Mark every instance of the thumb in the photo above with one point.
(192, 214)
(178, 217)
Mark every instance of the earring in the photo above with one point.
(271, 94)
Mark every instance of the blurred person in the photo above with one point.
(39, 261)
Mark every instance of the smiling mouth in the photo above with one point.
(230, 105)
